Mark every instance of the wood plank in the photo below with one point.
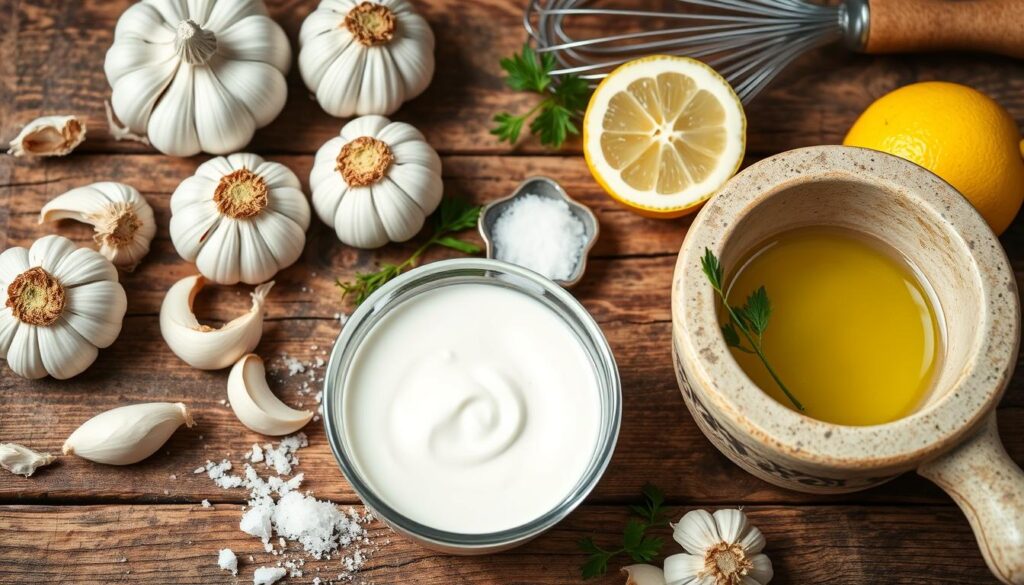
(659, 441)
(178, 544)
(61, 48)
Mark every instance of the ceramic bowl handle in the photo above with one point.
(989, 488)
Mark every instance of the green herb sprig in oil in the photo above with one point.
(750, 320)
(454, 215)
(640, 546)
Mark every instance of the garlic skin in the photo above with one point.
(21, 460)
(63, 303)
(643, 575)
(721, 549)
(197, 76)
(256, 406)
(127, 434)
(376, 183)
(364, 58)
(121, 216)
(49, 136)
(201, 346)
(240, 218)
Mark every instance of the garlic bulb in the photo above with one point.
(643, 575)
(123, 219)
(197, 76)
(49, 136)
(365, 57)
(376, 182)
(723, 549)
(127, 434)
(240, 218)
(62, 304)
(21, 460)
(255, 405)
(201, 346)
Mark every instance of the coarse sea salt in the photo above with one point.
(540, 233)
(227, 560)
(268, 575)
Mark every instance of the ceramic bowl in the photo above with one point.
(543, 187)
(952, 438)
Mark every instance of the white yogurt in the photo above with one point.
(472, 408)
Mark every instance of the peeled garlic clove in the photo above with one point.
(201, 346)
(127, 434)
(256, 406)
(122, 218)
(22, 460)
(643, 575)
(49, 136)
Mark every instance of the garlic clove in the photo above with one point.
(357, 222)
(415, 65)
(733, 527)
(222, 123)
(256, 406)
(64, 352)
(338, 91)
(643, 575)
(122, 219)
(696, 531)
(127, 434)
(320, 50)
(193, 224)
(686, 568)
(21, 460)
(762, 571)
(256, 262)
(284, 238)
(382, 87)
(49, 251)
(201, 346)
(135, 93)
(13, 261)
(221, 248)
(171, 129)
(8, 326)
(368, 125)
(49, 136)
(23, 356)
(401, 217)
(264, 101)
(256, 40)
(93, 310)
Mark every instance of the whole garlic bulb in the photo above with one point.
(62, 304)
(123, 219)
(197, 76)
(239, 218)
(365, 57)
(723, 548)
(376, 182)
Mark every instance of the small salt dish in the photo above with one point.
(547, 188)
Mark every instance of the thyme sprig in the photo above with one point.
(454, 215)
(751, 320)
(640, 546)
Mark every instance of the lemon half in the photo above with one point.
(662, 134)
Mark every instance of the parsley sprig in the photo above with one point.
(751, 320)
(453, 215)
(563, 101)
(640, 547)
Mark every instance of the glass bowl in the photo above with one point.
(480, 271)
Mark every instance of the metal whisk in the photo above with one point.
(751, 41)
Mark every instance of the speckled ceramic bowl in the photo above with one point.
(952, 439)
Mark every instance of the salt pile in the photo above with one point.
(540, 233)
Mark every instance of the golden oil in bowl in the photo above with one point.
(854, 331)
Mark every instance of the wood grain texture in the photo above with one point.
(160, 544)
(904, 26)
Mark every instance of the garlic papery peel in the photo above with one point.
(643, 575)
(240, 219)
(362, 58)
(122, 218)
(723, 549)
(63, 303)
(201, 346)
(255, 405)
(21, 460)
(49, 136)
(127, 434)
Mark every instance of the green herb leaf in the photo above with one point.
(712, 269)
(633, 534)
(588, 546)
(508, 127)
(646, 549)
(757, 310)
(552, 117)
(732, 337)
(636, 543)
(453, 215)
(595, 566)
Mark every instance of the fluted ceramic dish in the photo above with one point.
(542, 187)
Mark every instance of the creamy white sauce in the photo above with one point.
(472, 408)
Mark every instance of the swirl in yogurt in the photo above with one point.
(472, 408)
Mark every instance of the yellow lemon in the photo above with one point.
(956, 132)
(662, 134)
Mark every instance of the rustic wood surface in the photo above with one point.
(81, 523)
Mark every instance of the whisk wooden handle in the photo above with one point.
(900, 26)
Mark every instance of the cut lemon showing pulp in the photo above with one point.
(662, 134)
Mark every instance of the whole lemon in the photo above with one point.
(956, 132)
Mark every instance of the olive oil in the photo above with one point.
(854, 333)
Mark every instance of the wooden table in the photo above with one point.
(82, 523)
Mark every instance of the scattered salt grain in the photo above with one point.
(256, 520)
(257, 454)
(227, 560)
(540, 233)
(268, 575)
(207, 504)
